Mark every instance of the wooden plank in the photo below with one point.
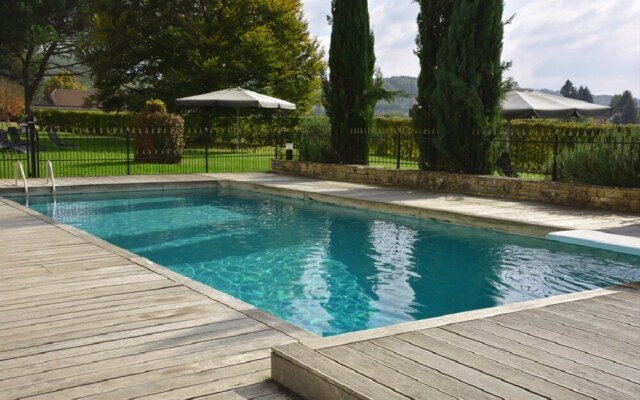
(86, 295)
(574, 338)
(100, 320)
(103, 370)
(245, 392)
(571, 375)
(619, 305)
(591, 323)
(517, 374)
(382, 374)
(220, 385)
(92, 284)
(330, 373)
(121, 357)
(603, 312)
(109, 309)
(49, 309)
(529, 339)
(119, 335)
(454, 368)
(159, 340)
(94, 330)
(444, 383)
(110, 390)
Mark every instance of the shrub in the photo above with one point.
(611, 160)
(85, 121)
(159, 135)
(315, 140)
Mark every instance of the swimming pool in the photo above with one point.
(333, 270)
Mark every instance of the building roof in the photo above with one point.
(69, 98)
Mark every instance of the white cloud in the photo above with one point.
(592, 42)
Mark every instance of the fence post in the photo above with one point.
(206, 150)
(398, 147)
(32, 147)
(554, 167)
(275, 147)
(128, 151)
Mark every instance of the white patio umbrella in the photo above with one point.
(235, 98)
(527, 103)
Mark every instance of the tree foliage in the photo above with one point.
(354, 85)
(569, 90)
(466, 97)
(11, 98)
(32, 32)
(625, 110)
(584, 94)
(174, 48)
(433, 26)
(63, 80)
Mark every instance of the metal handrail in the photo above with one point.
(19, 170)
(50, 175)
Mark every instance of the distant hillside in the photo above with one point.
(402, 104)
(409, 85)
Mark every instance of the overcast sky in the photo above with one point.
(595, 43)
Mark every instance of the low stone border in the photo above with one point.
(597, 197)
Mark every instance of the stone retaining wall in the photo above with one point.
(598, 197)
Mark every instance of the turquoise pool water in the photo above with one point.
(330, 269)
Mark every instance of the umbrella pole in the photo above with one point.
(237, 129)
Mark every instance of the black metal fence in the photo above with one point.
(121, 151)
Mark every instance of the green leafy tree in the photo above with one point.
(466, 98)
(167, 49)
(568, 90)
(433, 26)
(584, 94)
(354, 85)
(63, 80)
(624, 108)
(34, 31)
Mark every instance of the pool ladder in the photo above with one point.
(18, 172)
(51, 176)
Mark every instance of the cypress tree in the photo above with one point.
(349, 92)
(469, 85)
(584, 94)
(433, 25)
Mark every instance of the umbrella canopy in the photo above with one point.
(526, 103)
(235, 98)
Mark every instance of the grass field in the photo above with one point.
(109, 155)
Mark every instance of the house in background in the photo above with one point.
(68, 99)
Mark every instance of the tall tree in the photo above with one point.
(34, 31)
(469, 85)
(568, 90)
(354, 86)
(173, 48)
(433, 25)
(625, 110)
(584, 94)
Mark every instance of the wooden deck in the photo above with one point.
(582, 349)
(80, 318)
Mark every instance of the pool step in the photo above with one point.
(598, 240)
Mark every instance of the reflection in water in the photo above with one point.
(333, 270)
(393, 259)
